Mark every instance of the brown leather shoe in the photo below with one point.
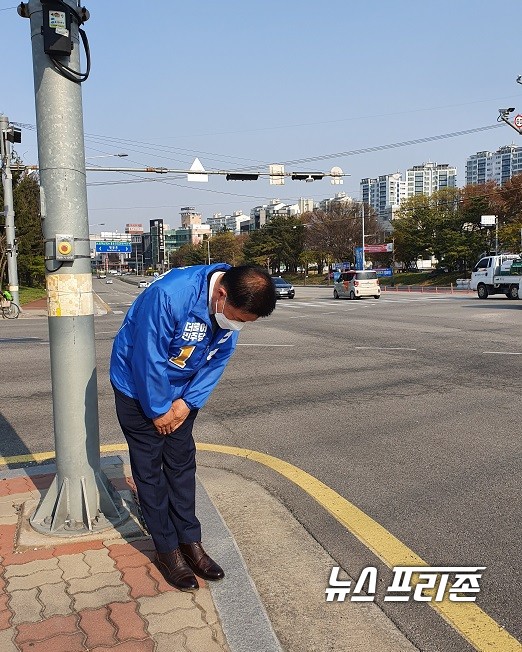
(200, 562)
(175, 570)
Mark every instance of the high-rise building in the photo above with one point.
(384, 194)
(496, 166)
(429, 177)
(134, 228)
(261, 215)
(189, 216)
(233, 222)
(217, 222)
(339, 199)
(305, 205)
(157, 243)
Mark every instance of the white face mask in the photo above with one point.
(225, 323)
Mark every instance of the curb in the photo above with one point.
(242, 615)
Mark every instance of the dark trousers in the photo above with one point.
(164, 470)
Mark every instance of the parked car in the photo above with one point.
(283, 288)
(355, 284)
(143, 284)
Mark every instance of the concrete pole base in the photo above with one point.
(52, 514)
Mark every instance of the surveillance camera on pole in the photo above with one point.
(503, 116)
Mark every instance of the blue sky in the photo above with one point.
(247, 83)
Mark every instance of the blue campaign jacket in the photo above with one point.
(165, 348)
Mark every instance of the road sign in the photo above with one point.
(488, 220)
(276, 174)
(383, 271)
(379, 248)
(113, 247)
(197, 167)
(518, 121)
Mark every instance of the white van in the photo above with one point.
(355, 284)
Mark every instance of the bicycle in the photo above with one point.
(10, 310)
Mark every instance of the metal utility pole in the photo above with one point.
(80, 499)
(6, 133)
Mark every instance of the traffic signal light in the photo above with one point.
(242, 176)
(307, 176)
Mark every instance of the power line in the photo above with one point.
(405, 143)
(322, 157)
(140, 145)
(365, 150)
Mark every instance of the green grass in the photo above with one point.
(31, 294)
(424, 278)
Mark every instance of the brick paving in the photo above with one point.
(93, 596)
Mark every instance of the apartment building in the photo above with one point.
(429, 177)
(496, 166)
(384, 194)
(338, 199)
(261, 215)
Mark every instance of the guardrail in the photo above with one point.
(433, 289)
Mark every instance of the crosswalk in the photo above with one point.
(331, 305)
(343, 304)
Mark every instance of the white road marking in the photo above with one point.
(500, 353)
(385, 348)
(313, 316)
(266, 345)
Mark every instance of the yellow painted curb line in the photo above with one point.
(470, 621)
(482, 632)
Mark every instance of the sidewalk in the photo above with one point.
(38, 308)
(103, 592)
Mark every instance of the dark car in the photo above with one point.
(283, 288)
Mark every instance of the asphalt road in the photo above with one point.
(409, 407)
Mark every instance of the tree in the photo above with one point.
(258, 247)
(286, 235)
(412, 232)
(28, 233)
(475, 201)
(509, 201)
(333, 235)
(188, 254)
(225, 247)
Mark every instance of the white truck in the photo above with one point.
(500, 274)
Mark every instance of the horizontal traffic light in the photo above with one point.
(307, 176)
(242, 176)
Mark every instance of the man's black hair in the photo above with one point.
(250, 288)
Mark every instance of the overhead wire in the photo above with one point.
(374, 148)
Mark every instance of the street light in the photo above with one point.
(106, 156)
(142, 263)
(95, 252)
(206, 239)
